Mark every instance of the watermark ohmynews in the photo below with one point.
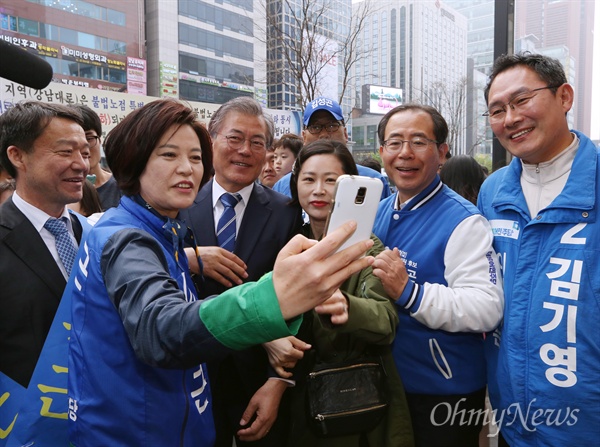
(444, 413)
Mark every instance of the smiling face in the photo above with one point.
(173, 173)
(540, 131)
(411, 171)
(51, 175)
(237, 168)
(316, 185)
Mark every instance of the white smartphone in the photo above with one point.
(355, 198)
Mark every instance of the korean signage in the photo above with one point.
(136, 76)
(169, 81)
(112, 107)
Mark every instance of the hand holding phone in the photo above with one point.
(355, 198)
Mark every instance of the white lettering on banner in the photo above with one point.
(564, 285)
(505, 228)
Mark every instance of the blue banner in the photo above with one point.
(37, 416)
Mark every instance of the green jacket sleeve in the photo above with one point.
(371, 315)
(372, 318)
(247, 315)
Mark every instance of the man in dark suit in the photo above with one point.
(43, 147)
(261, 224)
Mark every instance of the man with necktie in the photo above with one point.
(240, 226)
(43, 147)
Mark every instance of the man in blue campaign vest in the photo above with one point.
(42, 146)
(544, 360)
(441, 272)
(323, 118)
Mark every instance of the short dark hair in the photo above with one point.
(91, 120)
(547, 68)
(7, 185)
(370, 162)
(129, 145)
(321, 147)
(23, 123)
(464, 175)
(246, 106)
(90, 202)
(290, 141)
(440, 127)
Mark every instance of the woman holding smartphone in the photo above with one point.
(357, 321)
(137, 324)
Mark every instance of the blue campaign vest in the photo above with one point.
(543, 361)
(430, 361)
(115, 399)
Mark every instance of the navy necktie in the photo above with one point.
(64, 244)
(226, 225)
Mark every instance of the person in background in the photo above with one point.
(463, 175)
(544, 359)
(442, 274)
(43, 147)
(240, 228)
(136, 321)
(7, 187)
(90, 202)
(371, 162)
(268, 175)
(286, 151)
(324, 119)
(363, 320)
(4, 175)
(102, 179)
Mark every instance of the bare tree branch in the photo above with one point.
(300, 49)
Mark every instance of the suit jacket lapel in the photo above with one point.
(200, 217)
(27, 244)
(253, 224)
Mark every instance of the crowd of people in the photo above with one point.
(202, 293)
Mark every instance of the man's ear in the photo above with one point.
(443, 150)
(567, 95)
(15, 155)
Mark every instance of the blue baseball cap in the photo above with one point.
(323, 103)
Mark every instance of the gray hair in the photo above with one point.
(246, 106)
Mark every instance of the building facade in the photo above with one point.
(207, 51)
(420, 48)
(88, 43)
(557, 24)
(309, 34)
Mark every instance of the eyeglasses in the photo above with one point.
(318, 128)
(92, 140)
(236, 142)
(416, 144)
(519, 103)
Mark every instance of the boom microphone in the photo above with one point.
(22, 67)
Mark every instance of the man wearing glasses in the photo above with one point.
(102, 179)
(441, 271)
(323, 118)
(544, 360)
(240, 226)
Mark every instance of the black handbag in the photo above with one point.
(346, 399)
